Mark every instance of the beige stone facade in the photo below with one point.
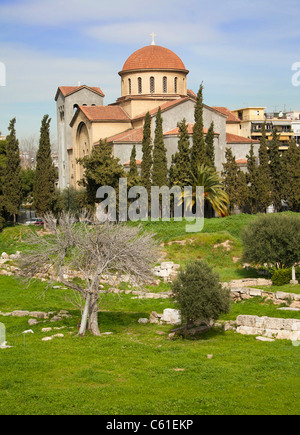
(151, 77)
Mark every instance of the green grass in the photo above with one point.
(288, 288)
(133, 370)
(167, 231)
(12, 238)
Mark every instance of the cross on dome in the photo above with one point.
(153, 35)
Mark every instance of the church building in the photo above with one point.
(151, 77)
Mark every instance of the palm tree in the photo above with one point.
(213, 190)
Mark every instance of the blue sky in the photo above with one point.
(242, 51)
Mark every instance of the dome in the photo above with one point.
(153, 57)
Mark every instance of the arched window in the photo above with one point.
(152, 85)
(165, 85)
(129, 86)
(140, 89)
(175, 85)
(75, 107)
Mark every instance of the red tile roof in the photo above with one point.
(104, 113)
(191, 93)
(132, 135)
(175, 131)
(241, 161)
(153, 57)
(68, 90)
(233, 138)
(231, 118)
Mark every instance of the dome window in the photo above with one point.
(175, 85)
(165, 85)
(129, 86)
(152, 85)
(140, 85)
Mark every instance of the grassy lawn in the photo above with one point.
(135, 370)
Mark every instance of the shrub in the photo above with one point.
(273, 240)
(200, 294)
(281, 277)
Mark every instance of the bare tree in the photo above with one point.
(28, 148)
(92, 250)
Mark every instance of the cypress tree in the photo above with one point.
(133, 176)
(101, 168)
(210, 147)
(3, 147)
(230, 177)
(242, 191)
(12, 186)
(251, 178)
(291, 187)
(160, 164)
(147, 154)
(276, 170)
(263, 173)
(44, 187)
(198, 152)
(181, 161)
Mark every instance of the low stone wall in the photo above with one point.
(270, 327)
(278, 298)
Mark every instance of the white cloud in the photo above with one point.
(35, 76)
(57, 12)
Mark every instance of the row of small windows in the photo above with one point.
(152, 85)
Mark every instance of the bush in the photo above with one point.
(273, 240)
(200, 294)
(282, 277)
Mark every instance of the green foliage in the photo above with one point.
(134, 178)
(160, 164)
(210, 147)
(200, 294)
(273, 239)
(27, 179)
(147, 161)
(276, 171)
(198, 150)
(242, 191)
(291, 184)
(252, 180)
(68, 200)
(3, 145)
(45, 176)
(12, 189)
(101, 168)
(263, 174)
(180, 170)
(281, 277)
(214, 193)
(230, 178)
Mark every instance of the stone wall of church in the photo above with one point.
(186, 110)
(66, 107)
(209, 116)
(122, 151)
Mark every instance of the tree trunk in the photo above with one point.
(85, 314)
(93, 315)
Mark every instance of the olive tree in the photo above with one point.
(273, 240)
(199, 294)
(92, 249)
